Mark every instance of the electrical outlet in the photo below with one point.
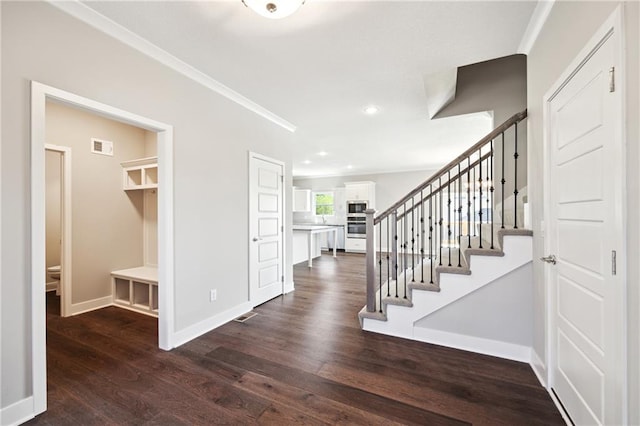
(213, 295)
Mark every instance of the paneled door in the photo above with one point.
(266, 276)
(585, 172)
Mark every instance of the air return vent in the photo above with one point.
(99, 146)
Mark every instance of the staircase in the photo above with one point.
(452, 242)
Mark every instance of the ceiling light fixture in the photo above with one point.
(371, 109)
(306, 162)
(323, 153)
(274, 9)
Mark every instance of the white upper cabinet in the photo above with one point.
(361, 191)
(301, 200)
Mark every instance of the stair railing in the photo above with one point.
(431, 226)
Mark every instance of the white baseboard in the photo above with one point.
(183, 336)
(90, 305)
(17, 413)
(538, 367)
(289, 287)
(495, 348)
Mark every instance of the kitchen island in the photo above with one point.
(306, 244)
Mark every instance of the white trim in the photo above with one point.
(102, 23)
(66, 229)
(538, 367)
(289, 287)
(90, 305)
(38, 259)
(560, 408)
(479, 345)
(1, 340)
(185, 335)
(538, 18)
(17, 413)
(166, 320)
(611, 28)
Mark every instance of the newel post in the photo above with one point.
(371, 261)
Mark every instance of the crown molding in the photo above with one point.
(538, 18)
(100, 22)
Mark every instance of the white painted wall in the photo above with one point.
(212, 138)
(568, 28)
(482, 313)
(106, 221)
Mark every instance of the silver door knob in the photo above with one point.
(549, 259)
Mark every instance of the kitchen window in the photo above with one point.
(323, 203)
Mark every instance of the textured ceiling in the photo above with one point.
(320, 67)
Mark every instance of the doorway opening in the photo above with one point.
(163, 134)
(58, 223)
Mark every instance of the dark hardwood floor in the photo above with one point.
(302, 360)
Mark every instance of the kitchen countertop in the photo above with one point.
(314, 226)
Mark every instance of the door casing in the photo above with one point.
(40, 93)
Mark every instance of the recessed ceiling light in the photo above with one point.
(306, 162)
(323, 153)
(371, 109)
(349, 166)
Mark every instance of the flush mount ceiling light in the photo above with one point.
(323, 153)
(274, 9)
(306, 162)
(371, 109)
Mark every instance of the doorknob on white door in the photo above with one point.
(255, 239)
(549, 259)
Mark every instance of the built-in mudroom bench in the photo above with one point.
(136, 289)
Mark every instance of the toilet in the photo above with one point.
(54, 272)
(53, 275)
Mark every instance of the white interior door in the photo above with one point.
(266, 276)
(586, 177)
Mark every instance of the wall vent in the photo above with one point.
(99, 146)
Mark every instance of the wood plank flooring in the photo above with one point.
(302, 360)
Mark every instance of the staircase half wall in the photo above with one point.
(488, 311)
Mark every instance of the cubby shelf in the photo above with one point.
(140, 174)
(136, 289)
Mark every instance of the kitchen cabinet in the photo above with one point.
(301, 200)
(356, 245)
(361, 191)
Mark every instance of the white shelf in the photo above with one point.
(140, 174)
(136, 289)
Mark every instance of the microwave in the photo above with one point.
(356, 207)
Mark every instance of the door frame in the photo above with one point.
(254, 155)
(65, 227)
(40, 93)
(612, 29)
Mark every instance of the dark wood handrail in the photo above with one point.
(494, 134)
